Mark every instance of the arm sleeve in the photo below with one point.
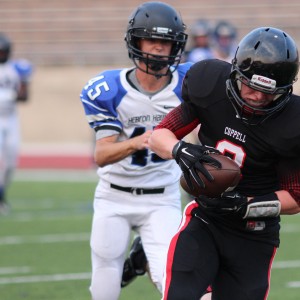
(289, 177)
(175, 122)
(181, 120)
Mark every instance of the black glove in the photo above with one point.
(233, 202)
(228, 202)
(190, 158)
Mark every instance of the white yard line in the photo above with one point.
(293, 284)
(14, 270)
(45, 278)
(286, 264)
(290, 228)
(84, 276)
(74, 276)
(47, 238)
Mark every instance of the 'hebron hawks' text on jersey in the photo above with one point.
(112, 106)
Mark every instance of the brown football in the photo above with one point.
(225, 178)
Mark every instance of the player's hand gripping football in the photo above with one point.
(190, 158)
(233, 202)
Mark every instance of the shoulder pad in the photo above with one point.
(104, 86)
(205, 82)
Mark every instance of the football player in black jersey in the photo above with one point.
(246, 110)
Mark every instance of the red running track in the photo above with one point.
(55, 162)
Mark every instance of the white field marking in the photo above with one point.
(46, 216)
(286, 264)
(14, 270)
(45, 278)
(47, 238)
(290, 228)
(294, 284)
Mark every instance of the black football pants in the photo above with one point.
(235, 267)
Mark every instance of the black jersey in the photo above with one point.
(259, 150)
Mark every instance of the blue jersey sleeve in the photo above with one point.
(182, 69)
(100, 98)
(24, 69)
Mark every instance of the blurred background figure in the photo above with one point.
(225, 40)
(14, 79)
(200, 37)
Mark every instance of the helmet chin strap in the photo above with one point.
(156, 65)
(152, 66)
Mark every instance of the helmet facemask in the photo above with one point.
(155, 63)
(266, 60)
(256, 115)
(156, 20)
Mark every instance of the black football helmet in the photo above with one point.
(156, 20)
(266, 60)
(5, 48)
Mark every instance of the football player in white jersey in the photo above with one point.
(137, 190)
(14, 78)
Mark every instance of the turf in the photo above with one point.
(44, 246)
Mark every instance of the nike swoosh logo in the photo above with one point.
(201, 219)
(168, 107)
(184, 151)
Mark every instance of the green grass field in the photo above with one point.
(44, 243)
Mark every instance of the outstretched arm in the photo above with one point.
(289, 205)
(162, 142)
(109, 150)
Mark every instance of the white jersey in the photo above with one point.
(9, 86)
(112, 106)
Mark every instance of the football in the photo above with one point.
(225, 179)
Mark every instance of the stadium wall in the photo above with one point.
(69, 41)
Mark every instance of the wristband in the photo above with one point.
(263, 206)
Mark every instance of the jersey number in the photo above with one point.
(139, 157)
(234, 151)
(96, 91)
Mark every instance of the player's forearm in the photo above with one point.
(288, 204)
(162, 142)
(109, 153)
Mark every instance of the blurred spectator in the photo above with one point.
(225, 35)
(200, 36)
(14, 79)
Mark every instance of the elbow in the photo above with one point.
(100, 163)
(98, 159)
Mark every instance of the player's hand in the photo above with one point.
(228, 202)
(190, 158)
(141, 141)
(233, 202)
